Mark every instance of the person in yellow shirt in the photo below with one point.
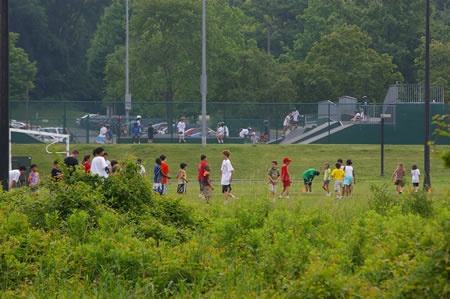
(338, 175)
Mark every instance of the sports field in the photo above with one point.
(252, 162)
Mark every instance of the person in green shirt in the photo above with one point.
(326, 178)
(308, 177)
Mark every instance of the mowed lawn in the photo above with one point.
(252, 162)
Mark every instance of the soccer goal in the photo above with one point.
(47, 137)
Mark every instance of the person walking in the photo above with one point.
(181, 126)
(295, 116)
(72, 161)
(201, 171)
(286, 124)
(227, 176)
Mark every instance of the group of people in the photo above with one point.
(344, 178)
(291, 121)
(99, 164)
(162, 177)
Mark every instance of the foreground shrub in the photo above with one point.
(383, 199)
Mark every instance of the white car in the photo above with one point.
(55, 130)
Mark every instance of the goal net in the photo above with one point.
(46, 137)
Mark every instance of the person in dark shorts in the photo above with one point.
(182, 179)
(201, 170)
(308, 177)
(150, 133)
(415, 174)
(398, 176)
(56, 172)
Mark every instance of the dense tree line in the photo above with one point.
(258, 50)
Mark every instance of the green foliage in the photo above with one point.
(22, 70)
(439, 63)
(347, 51)
(383, 201)
(249, 248)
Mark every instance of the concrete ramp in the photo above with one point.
(299, 138)
(325, 134)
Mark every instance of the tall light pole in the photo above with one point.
(4, 98)
(427, 180)
(204, 81)
(127, 67)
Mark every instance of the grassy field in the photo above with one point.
(252, 163)
(85, 237)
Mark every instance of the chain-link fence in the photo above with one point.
(83, 120)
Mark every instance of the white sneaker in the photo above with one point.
(280, 197)
(287, 197)
(225, 202)
(328, 194)
(233, 197)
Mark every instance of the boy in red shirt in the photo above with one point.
(285, 177)
(165, 174)
(201, 171)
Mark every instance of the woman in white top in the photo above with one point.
(98, 165)
(415, 173)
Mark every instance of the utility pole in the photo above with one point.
(427, 180)
(204, 81)
(4, 97)
(127, 66)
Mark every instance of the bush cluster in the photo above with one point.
(85, 237)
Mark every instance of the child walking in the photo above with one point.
(157, 181)
(415, 173)
(326, 178)
(227, 176)
(33, 179)
(182, 179)
(207, 184)
(399, 174)
(165, 174)
(349, 179)
(274, 176)
(338, 175)
(285, 177)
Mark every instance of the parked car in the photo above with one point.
(211, 134)
(196, 130)
(55, 130)
(18, 124)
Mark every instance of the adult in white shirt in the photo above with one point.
(415, 173)
(98, 165)
(14, 176)
(220, 133)
(227, 176)
(181, 126)
(286, 124)
(295, 116)
(244, 132)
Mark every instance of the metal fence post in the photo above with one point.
(87, 129)
(65, 118)
(329, 123)
(171, 122)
